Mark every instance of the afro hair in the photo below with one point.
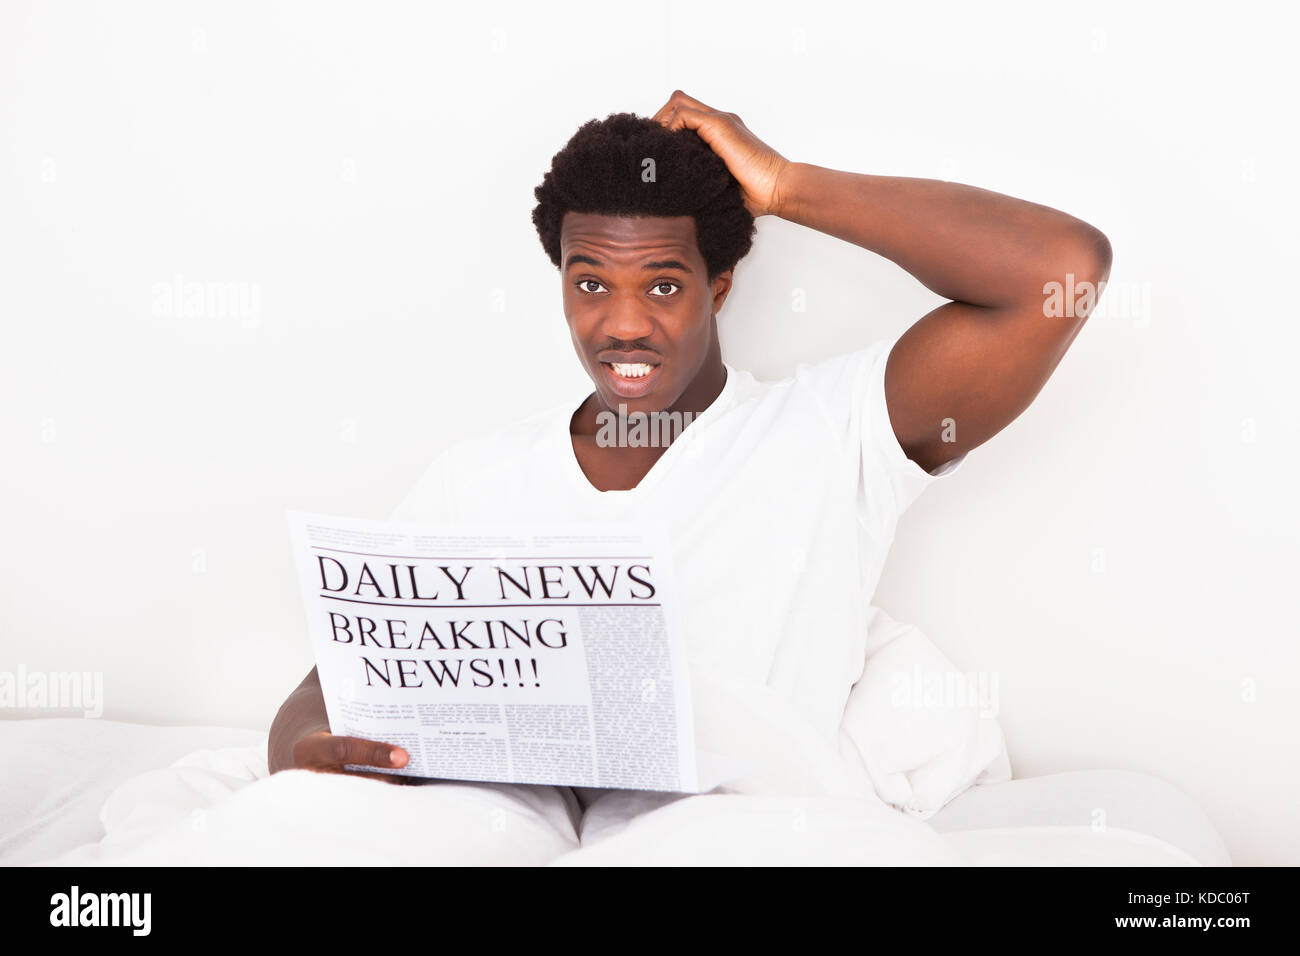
(600, 171)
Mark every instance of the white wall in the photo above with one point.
(1122, 557)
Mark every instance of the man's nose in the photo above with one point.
(626, 320)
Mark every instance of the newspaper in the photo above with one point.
(547, 654)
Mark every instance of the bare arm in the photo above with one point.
(302, 713)
(978, 361)
(967, 369)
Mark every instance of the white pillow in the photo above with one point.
(923, 730)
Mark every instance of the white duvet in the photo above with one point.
(217, 808)
(875, 803)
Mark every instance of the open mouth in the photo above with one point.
(631, 379)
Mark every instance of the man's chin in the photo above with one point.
(619, 405)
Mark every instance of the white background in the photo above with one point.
(1122, 557)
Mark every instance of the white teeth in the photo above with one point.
(631, 371)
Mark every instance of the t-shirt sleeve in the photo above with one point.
(851, 391)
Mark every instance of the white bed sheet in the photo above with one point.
(57, 773)
(104, 792)
(1072, 810)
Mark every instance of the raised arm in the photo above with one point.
(966, 370)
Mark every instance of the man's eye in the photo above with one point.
(583, 282)
(660, 285)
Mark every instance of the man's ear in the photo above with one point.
(721, 286)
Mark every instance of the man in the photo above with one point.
(781, 497)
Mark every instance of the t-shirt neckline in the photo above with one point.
(652, 477)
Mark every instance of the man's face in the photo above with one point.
(640, 306)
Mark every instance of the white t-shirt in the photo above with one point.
(781, 500)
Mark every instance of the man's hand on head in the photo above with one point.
(757, 167)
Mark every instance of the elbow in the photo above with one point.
(1075, 266)
(1099, 253)
(1087, 255)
